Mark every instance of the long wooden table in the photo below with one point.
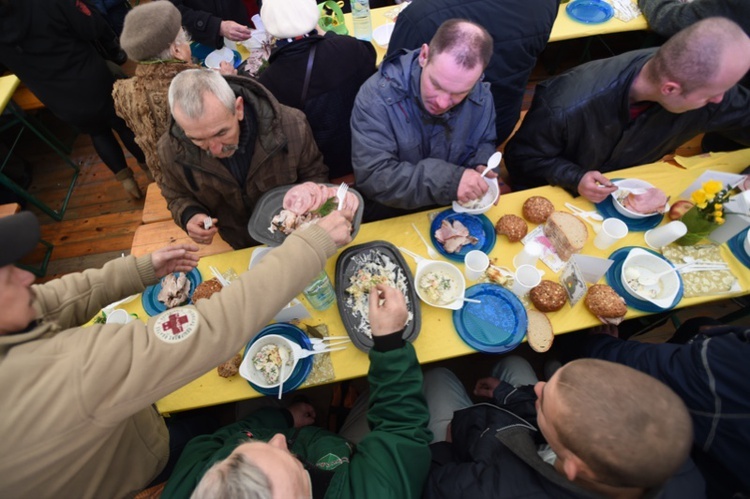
(438, 339)
(564, 27)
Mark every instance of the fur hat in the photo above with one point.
(289, 18)
(150, 29)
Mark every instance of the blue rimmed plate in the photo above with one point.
(153, 306)
(614, 279)
(590, 11)
(737, 247)
(303, 367)
(496, 325)
(607, 209)
(479, 226)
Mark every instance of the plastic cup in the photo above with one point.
(119, 316)
(666, 234)
(526, 278)
(532, 251)
(613, 229)
(476, 262)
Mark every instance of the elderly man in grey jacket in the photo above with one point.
(423, 126)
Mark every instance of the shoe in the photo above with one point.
(125, 177)
(145, 168)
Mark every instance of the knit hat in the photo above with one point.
(289, 18)
(150, 29)
(21, 236)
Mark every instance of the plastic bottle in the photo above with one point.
(320, 292)
(361, 19)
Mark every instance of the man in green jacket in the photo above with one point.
(273, 451)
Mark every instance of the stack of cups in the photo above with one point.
(666, 234)
(532, 251)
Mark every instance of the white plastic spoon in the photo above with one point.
(650, 280)
(493, 162)
(284, 359)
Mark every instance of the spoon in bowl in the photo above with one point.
(493, 163)
(650, 280)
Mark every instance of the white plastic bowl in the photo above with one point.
(382, 34)
(627, 184)
(488, 200)
(248, 371)
(450, 270)
(642, 262)
(215, 58)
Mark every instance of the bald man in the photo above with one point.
(596, 429)
(632, 109)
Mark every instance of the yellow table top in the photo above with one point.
(438, 339)
(564, 27)
(8, 86)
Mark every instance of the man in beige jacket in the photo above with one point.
(77, 402)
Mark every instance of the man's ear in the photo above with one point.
(671, 88)
(424, 54)
(239, 108)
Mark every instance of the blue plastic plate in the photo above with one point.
(590, 11)
(153, 306)
(737, 247)
(479, 226)
(607, 210)
(303, 367)
(614, 279)
(496, 325)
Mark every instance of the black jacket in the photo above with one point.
(48, 44)
(519, 28)
(341, 65)
(479, 463)
(202, 18)
(580, 121)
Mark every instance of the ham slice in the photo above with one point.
(652, 201)
(454, 236)
(303, 198)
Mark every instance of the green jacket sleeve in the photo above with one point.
(394, 459)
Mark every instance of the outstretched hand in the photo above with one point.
(177, 258)
(485, 387)
(388, 312)
(595, 187)
(302, 413)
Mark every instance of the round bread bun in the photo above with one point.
(513, 227)
(539, 333)
(537, 209)
(206, 289)
(548, 296)
(606, 304)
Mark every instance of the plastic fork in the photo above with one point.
(219, 276)
(583, 213)
(321, 346)
(416, 257)
(321, 341)
(300, 353)
(341, 194)
(430, 250)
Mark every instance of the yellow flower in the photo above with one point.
(712, 187)
(718, 206)
(699, 197)
(718, 213)
(702, 205)
(720, 220)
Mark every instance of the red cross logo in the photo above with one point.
(175, 323)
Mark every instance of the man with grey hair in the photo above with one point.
(632, 109)
(230, 142)
(423, 126)
(280, 455)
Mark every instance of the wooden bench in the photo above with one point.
(155, 206)
(151, 237)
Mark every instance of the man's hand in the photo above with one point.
(491, 174)
(177, 258)
(338, 224)
(472, 186)
(595, 187)
(390, 315)
(302, 413)
(197, 230)
(234, 31)
(226, 68)
(485, 387)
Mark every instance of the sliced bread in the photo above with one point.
(539, 332)
(567, 234)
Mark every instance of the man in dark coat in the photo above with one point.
(334, 67)
(519, 28)
(210, 21)
(596, 429)
(632, 109)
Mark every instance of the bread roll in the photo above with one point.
(606, 304)
(539, 334)
(513, 227)
(567, 234)
(548, 296)
(537, 209)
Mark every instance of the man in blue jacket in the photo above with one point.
(423, 126)
(632, 109)
(711, 374)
